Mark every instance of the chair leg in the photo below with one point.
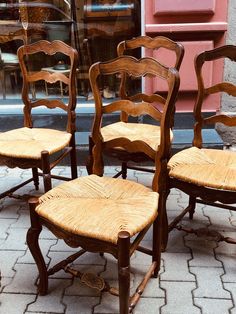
(89, 162)
(3, 80)
(35, 178)
(124, 270)
(124, 170)
(157, 244)
(74, 173)
(47, 181)
(98, 166)
(33, 244)
(163, 219)
(192, 205)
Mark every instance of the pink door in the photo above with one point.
(198, 25)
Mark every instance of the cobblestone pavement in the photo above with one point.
(197, 275)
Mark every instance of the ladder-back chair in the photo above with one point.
(208, 176)
(43, 148)
(102, 214)
(142, 131)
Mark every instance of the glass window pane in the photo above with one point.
(93, 27)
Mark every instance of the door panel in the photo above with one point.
(199, 26)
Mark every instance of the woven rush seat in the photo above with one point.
(205, 167)
(29, 143)
(150, 134)
(99, 207)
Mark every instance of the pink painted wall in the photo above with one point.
(198, 25)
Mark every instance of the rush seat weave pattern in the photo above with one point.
(13, 143)
(99, 207)
(206, 167)
(147, 133)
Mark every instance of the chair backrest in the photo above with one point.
(227, 51)
(154, 44)
(49, 48)
(135, 68)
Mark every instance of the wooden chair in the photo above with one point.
(208, 176)
(31, 147)
(143, 132)
(101, 214)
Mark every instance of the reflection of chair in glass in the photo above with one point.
(9, 63)
(31, 147)
(85, 63)
(208, 176)
(139, 131)
(102, 214)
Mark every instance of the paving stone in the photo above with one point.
(216, 306)
(109, 304)
(149, 305)
(9, 182)
(229, 267)
(80, 305)
(152, 290)
(231, 286)
(145, 178)
(140, 258)
(46, 234)
(91, 259)
(16, 240)
(226, 248)
(173, 203)
(7, 261)
(176, 243)
(45, 246)
(184, 198)
(179, 298)
(9, 211)
(60, 245)
(203, 253)
(220, 218)
(4, 281)
(176, 267)
(4, 225)
(22, 283)
(14, 303)
(23, 221)
(51, 302)
(213, 290)
(110, 272)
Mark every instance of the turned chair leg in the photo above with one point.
(157, 244)
(124, 270)
(163, 221)
(124, 170)
(35, 178)
(192, 205)
(33, 244)
(47, 181)
(89, 163)
(74, 172)
(98, 167)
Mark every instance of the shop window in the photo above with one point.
(93, 27)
